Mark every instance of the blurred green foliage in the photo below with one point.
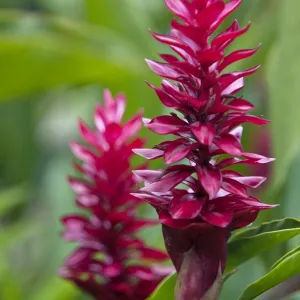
(166, 289)
(55, 58)
(283, 269)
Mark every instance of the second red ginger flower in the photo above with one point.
(197, 220)
(110, 260)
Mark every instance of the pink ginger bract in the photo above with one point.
(109, 262)
(207, 127)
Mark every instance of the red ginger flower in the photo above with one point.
(200, 218)
(106, 262)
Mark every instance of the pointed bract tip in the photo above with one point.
(146, 120)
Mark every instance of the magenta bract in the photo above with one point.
(110, 261)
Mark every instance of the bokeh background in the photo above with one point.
(56, 57)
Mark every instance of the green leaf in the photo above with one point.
(285, 268)
(10, 287)
(39, 52)
(16, 232)
(248, 243)
(283, 82)
(291, 196)
(133, 20)
(10, 198)
(63, 290)
(165, 291)
(292, 252)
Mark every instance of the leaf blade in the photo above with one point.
(253, 241)
(164, 290)
(285, 268)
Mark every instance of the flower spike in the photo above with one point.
(110, 261)
(197, 219)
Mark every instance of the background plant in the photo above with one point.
(55, 57)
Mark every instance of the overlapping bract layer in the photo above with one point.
(199, 204)
(209, 133)
(108, 263)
